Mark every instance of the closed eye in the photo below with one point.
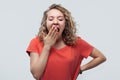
(50, 19)
(60, 19)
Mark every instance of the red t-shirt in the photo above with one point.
(64, 63)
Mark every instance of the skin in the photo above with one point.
(55, 19)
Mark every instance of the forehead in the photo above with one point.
(54, 12)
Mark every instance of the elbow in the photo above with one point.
(36, 77)
(103, 59)
(35, 73)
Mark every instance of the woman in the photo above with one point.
(56, 52)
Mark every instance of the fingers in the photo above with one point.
(53, 32)
(51, 38)
(55, 35)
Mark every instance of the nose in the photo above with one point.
(55, 21)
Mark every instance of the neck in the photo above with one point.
(59, 43)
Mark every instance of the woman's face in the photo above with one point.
(55, 18)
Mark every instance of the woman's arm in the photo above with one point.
(38, 62)
(98, 58)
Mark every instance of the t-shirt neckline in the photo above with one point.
(61, 49)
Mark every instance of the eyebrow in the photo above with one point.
(57, 16)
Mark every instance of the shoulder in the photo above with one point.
(35, 45)
(81, 42)
(36, 40)
(78, 39)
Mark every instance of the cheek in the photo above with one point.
(62, 26)
(48, 24)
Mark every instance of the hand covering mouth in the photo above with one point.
(57, 26)
(58, 29)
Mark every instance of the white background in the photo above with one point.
(98, 22)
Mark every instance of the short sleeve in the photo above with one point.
(33, 46)
(84, 47)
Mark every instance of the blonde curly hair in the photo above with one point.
(68, 34)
